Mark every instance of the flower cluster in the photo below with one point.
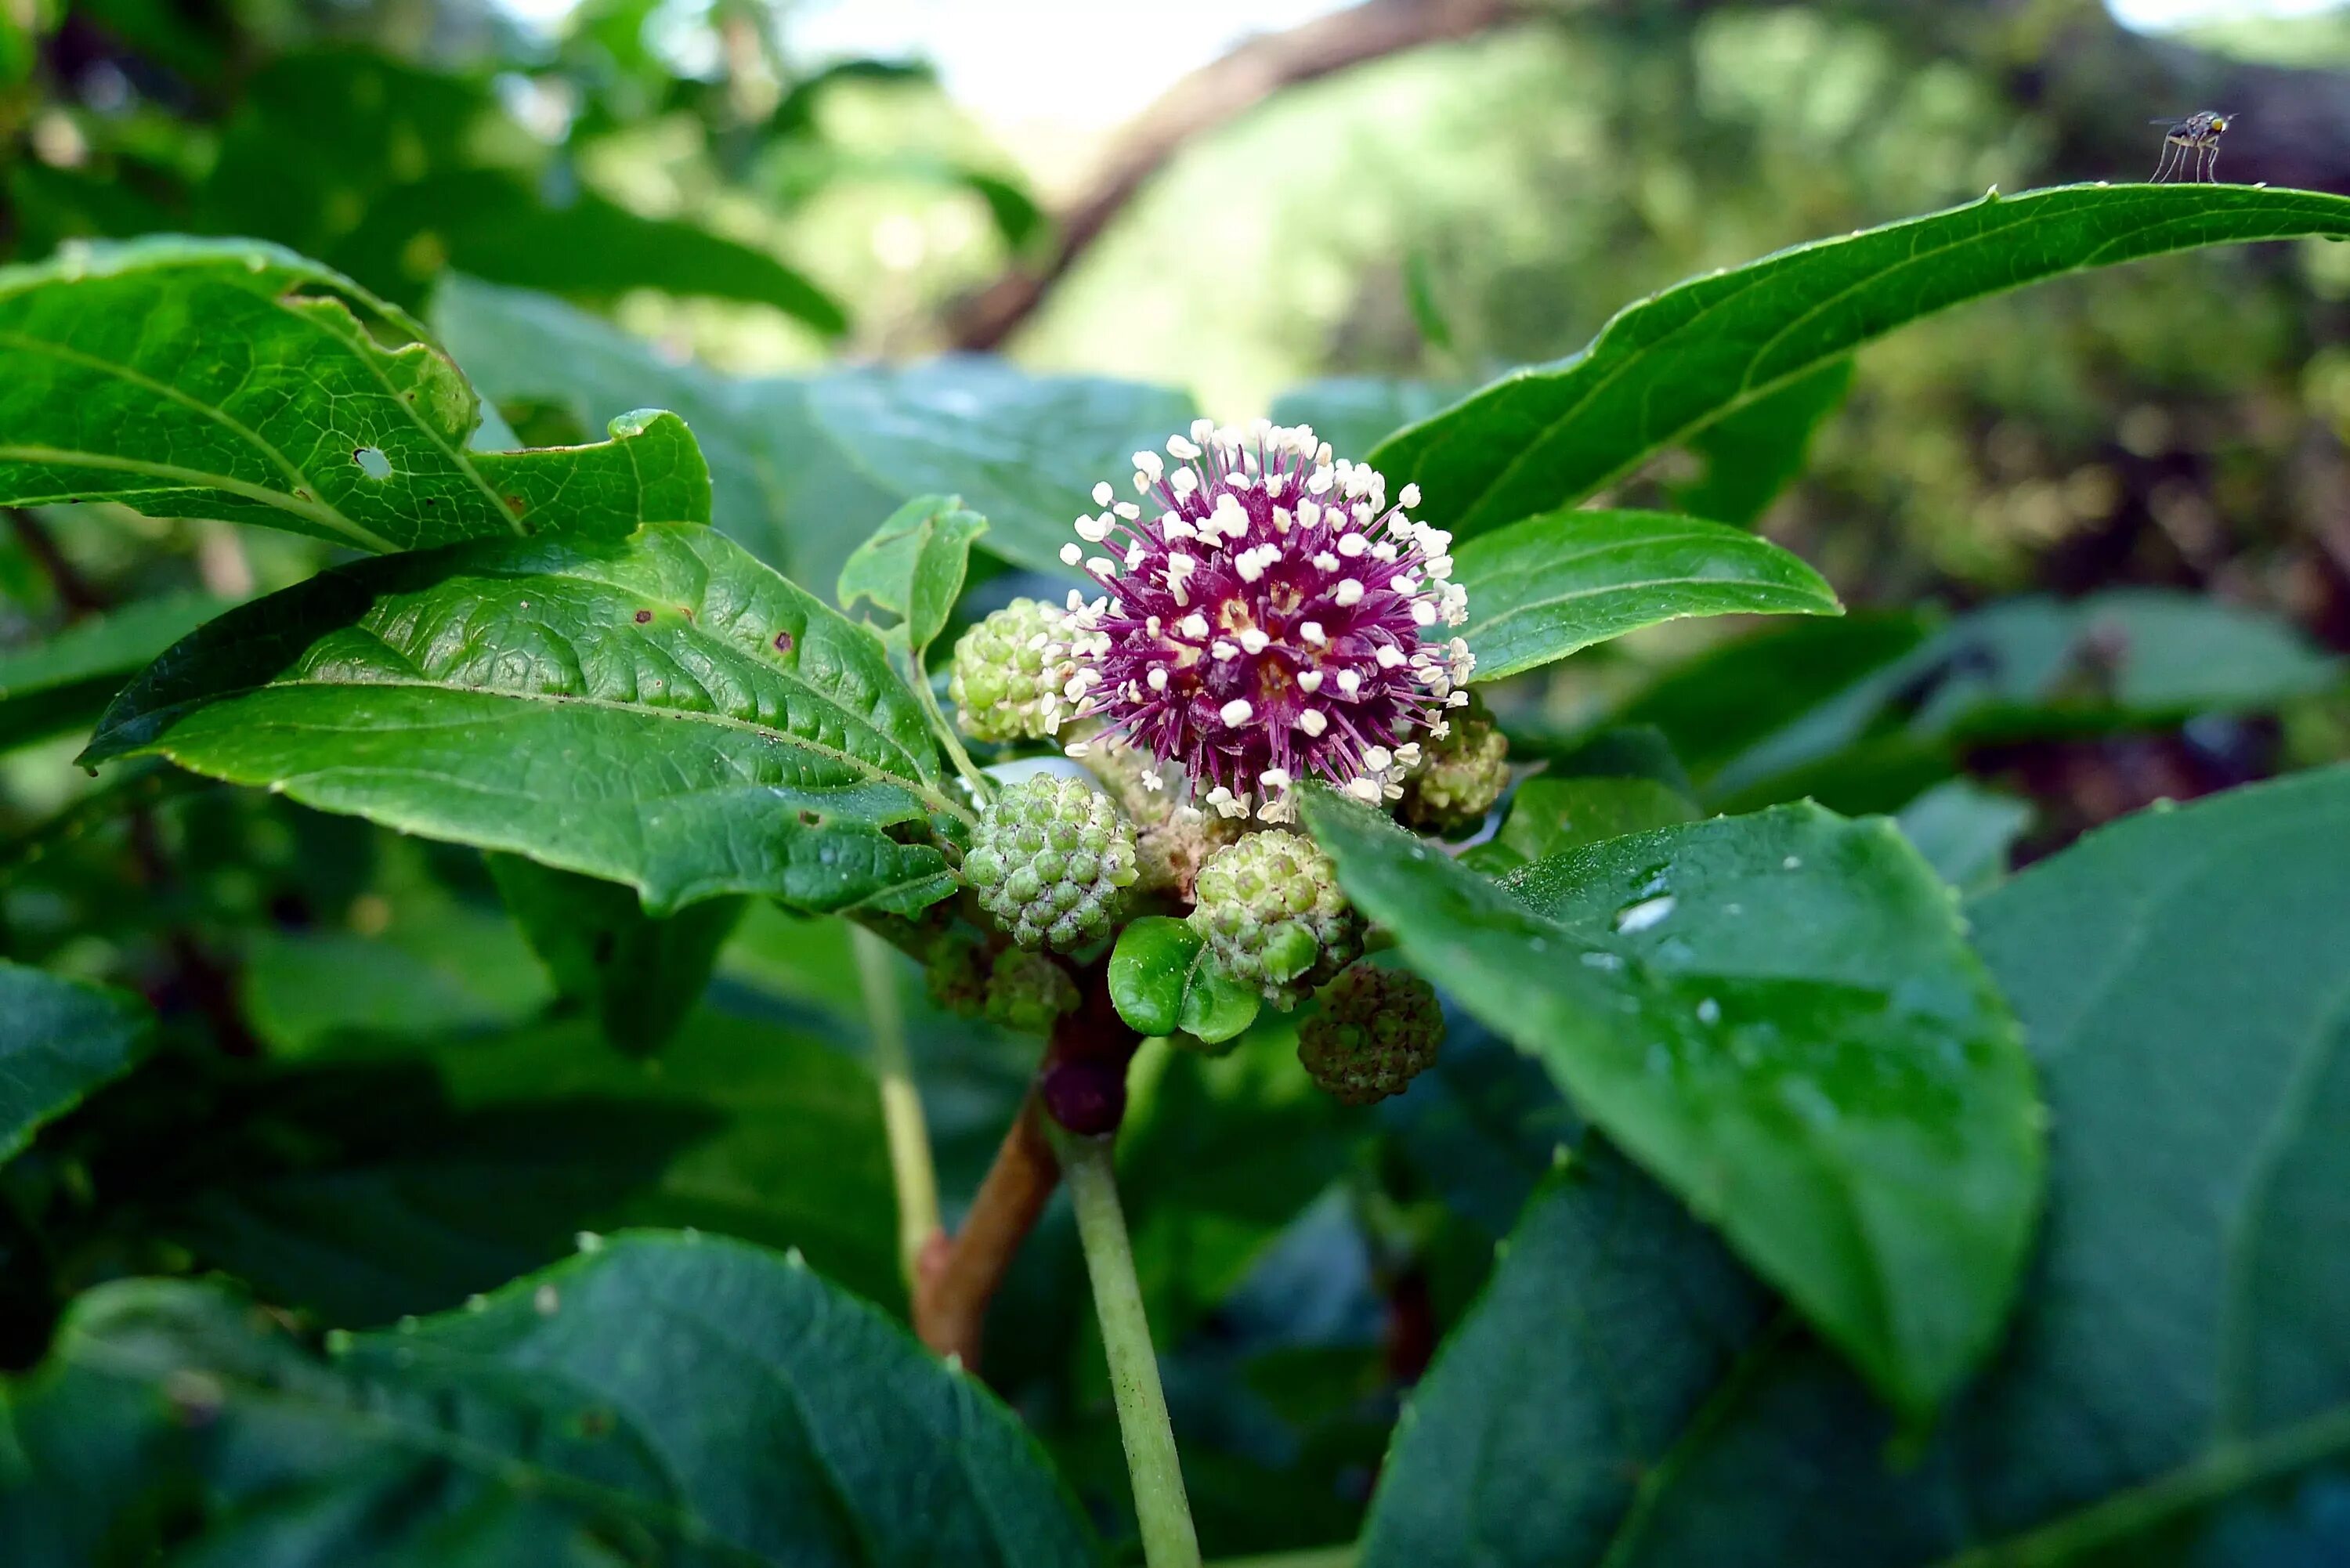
(1263, 620)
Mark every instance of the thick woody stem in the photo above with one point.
(1080, 1084)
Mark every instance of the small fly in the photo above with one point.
(2190, 146)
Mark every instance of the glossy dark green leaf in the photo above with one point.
(1550, 816)
(1553, 584)
(64, 682)
(2174, 1390)
(1549, 435)
(663, 1399)
(1161, 982)
(58, 1041)
(638, 975)
(232, 379)
(1778, 1016)
(913, 566)
(1753, 454)
(663, 711)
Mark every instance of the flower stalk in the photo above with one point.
(1161, 1509)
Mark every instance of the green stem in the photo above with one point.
(982, 786)
(901, 1104)
(1160, 1506)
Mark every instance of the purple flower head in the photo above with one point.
(1264, 619)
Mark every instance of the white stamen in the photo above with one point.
(1313, 720)
(1350, 592)
(1407, 497)
(1194, 625)
(1350, 684)
(1149, 463)
(1379, 759)
(1311, 631)
(1070, 556)
(1182, 451)
(1310, 681)
(1236, 712)
(1224, 651)
(1326, 562)
(1352, 544)
(1102, 494)
(1389, 656)
(1157, 679)
(1254, 640)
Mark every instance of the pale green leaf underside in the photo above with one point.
(232, 379)
(1550, 586)
(2175, 1389)
(663, 711)
(58, 1041)
(1549, 435)
(1778, 1017)
(669, 1399)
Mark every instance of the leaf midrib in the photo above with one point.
(921, 789)
(1751, 391)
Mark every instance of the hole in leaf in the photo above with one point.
(783, 643)
(372, 463)
(811, 819)
(643, 617)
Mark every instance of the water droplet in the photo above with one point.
(794, 1259)
(1709, 1011)
(477, 1303)
(1647, 912)
(1538, 944)
(588, 1241)
(547, 1300)
(1602, 961)
(1792, 863)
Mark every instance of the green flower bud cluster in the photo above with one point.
(1271, 912)
(1027, 991)
(1460, 776)
(1050, 861)
(1377, 1030)
(1011, 671)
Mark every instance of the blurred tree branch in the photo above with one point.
(2096, 82)
(1211, 97)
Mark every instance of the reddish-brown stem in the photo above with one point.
(1082, 1080)
(74, 592)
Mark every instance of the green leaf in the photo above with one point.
(1610, 1320)
(1965, 831)
(1551, 815)
(663, 711)
(805, 464)
(1857, 718)
(913, 566)
(232, 379)
(1025, 451)
(638, 975)
(1549, 435)
(1162, 982)
(1553, 584)
(1753, 454)
(1777, 1016)
(352, 1184)
(2174, 1389)
(1355, 413)
(60, 1039)
(663, 1399)
(63, 683)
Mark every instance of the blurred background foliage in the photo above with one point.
(2097, 537)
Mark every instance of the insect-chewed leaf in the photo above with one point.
(662, 710)
(1548, 435)
(232, 379)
